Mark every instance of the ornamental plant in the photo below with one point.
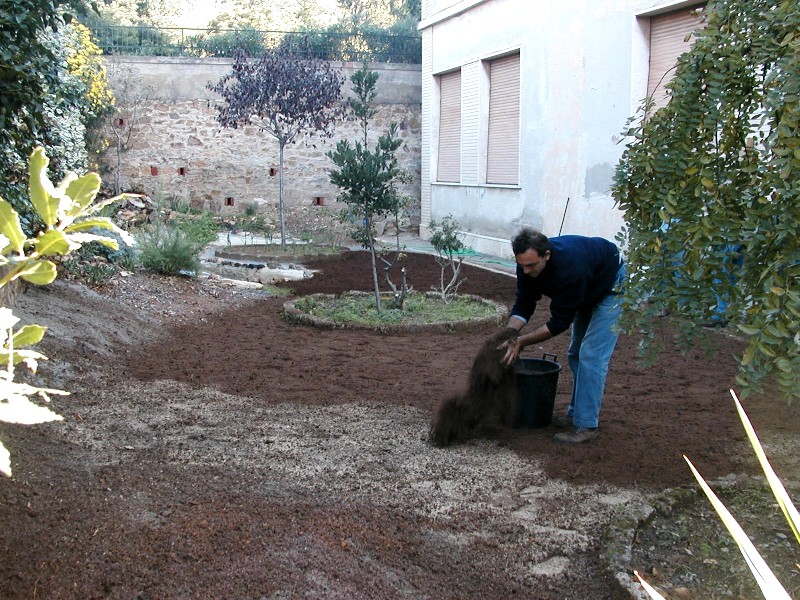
(769, 585)
(284, 96)
(708, 187)
(447, 244)
(68, 213)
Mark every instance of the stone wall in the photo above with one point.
(178, 152)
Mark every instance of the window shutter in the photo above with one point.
(503, 145)
(668, 33)
(449, 163)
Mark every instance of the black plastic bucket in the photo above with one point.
(537, 380)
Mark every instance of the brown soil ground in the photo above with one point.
(209, 449)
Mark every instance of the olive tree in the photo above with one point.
(284, 96)
(709, 188)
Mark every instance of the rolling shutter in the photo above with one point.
(668, 33)
(449, 163)
(503, 142)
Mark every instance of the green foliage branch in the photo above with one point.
(57, 101)
(368, 178)
(709, 189)
(29, 66)
(69, 214)
(284, 96)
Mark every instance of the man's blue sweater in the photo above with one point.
(579, 274)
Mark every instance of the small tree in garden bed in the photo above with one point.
(253, 223)
(368, 179)
(132, 98)
(284, 96)
(446, 243)
(66, 212)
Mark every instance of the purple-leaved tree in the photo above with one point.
(283, 95)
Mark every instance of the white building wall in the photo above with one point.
(583, 68)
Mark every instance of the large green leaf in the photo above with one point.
(18, 409)
(28, 335)
(39, 272)
(81, 238)
(41, 189)
(52, 242)
(101, 223)
(82, 191)
(10, 227)
(31, 358)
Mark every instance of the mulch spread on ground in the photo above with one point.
(68, 530)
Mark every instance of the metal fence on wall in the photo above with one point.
(348, 47)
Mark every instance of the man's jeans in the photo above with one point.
(594, 338)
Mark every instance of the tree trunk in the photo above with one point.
(117, 184)
(10, 291)
(368, 227)
(282, 218)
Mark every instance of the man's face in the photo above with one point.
(531, 262)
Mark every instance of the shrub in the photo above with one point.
(201, 228)
(447, 244)
(168, 250)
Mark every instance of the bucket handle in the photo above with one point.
(546, 354)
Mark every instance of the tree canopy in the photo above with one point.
(52, 87)
(368, 178)
(284, 96)
(710, 189)
(29, 65)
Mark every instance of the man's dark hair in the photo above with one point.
(530, 239)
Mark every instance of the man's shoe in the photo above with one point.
(562, 422)
(576, 436)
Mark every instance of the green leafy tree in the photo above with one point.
(386, 14)
(283, 95)
(709, 188)
(137, 13)
(29, 67)
(60, 96)
(215, 42)
(368, 179)
(68, 213)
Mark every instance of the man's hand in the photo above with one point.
(512, 348)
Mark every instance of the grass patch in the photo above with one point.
(275, 290)
(419, 309)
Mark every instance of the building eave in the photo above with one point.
(449, 12)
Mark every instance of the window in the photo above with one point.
(668, 33)
(449, 163)
(502, 165)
